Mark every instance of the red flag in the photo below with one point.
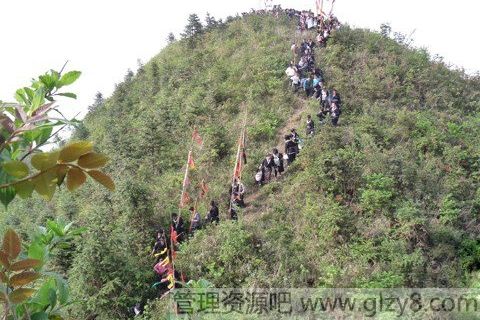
(203, 189)
(238, 169)
(196, 137)
(191, 163)
(244, 143)
(173, 236)
(185, 199)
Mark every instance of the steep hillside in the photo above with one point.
(389, 198)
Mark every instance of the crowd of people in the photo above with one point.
(304, 76)
(307, 77)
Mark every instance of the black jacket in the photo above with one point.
(291, 147)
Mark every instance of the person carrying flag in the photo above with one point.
(178, 226)
(160, 250)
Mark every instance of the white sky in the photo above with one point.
(105, 38)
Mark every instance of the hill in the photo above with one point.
(390, 198)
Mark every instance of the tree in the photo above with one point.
(171, 38)
(155, 75)
(99, 101)
(193, 27)
(141, 67)
(210, 21)
(129, 76)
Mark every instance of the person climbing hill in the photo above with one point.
(178, 226)
(291, 148)
(213, 215)
(310, 126)
(196, 220)
(239, 188)
(278, 167)
(160, 249)
(335, 113)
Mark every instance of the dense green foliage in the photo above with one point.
(389, 198)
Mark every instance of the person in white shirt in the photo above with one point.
(290, 72)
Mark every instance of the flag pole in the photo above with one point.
(238, 159)
(172, 245)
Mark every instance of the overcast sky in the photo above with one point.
(105, 38)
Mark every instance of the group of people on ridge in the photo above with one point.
(305, 76)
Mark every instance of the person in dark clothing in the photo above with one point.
(278, 167)
(310, 126)
(291, 149)
(160, 248)
(319, 73)
(267, 167)
(295, 136)
(196, 223)
(308, 86)
(235, 205)
(178, 226)
(335, 114)
(213, 214)
(238, 187)
(335, 98)
(311, 44)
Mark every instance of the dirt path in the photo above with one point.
(253, 199)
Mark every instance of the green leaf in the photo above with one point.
(20, 295)
(21, 97)
(11, 244)
(38, 99)
(29, 93)
(61, 173)
(24, 189)
(69, 78)
(44, 135)
(16, 169)
(45, 160)
(63, 291)
(48, 81)
(39, 316)
(74, 150)
(43, 294)
(68, 94)
(52, 225)
(92, 160)
(37, 251)
(7, 195)
(46, 184)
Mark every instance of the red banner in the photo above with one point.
(196, 137)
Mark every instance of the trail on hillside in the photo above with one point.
(253, 199)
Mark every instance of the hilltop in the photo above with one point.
(390, 198)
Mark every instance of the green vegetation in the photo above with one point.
(390, 198)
